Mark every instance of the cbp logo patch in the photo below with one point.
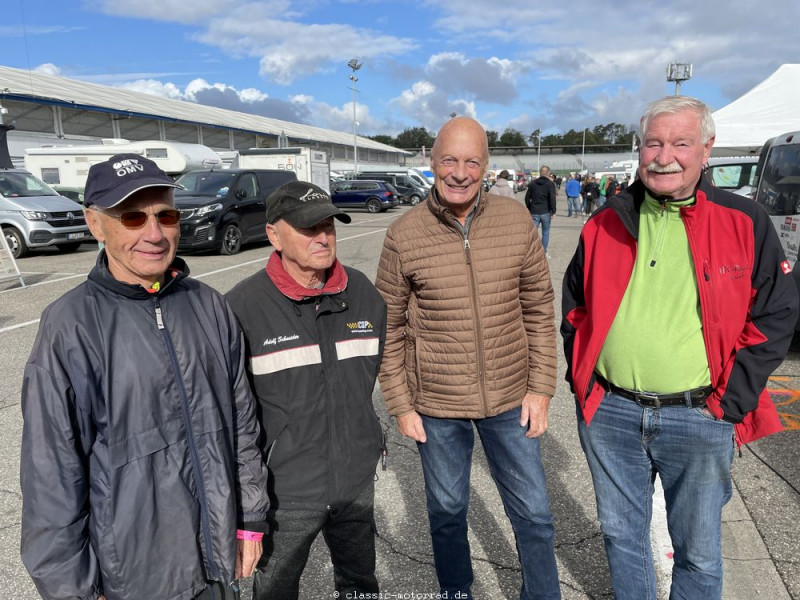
(361, 327)
(786, 267)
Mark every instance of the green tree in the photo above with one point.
(414, 137)
(491, 137)
(533, 138)
(384, 139)
(512, 137)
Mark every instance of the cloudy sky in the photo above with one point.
(525, 64)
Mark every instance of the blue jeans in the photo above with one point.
(573, 205)
(625, 446)
(516, 467)
(544, 219)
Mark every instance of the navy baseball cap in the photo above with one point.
(302, 205)
(112, 181)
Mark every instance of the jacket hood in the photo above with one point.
(541, 180)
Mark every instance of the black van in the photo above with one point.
(223, 209)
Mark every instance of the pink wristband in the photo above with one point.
(252, 536)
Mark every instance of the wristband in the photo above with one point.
(252, 536)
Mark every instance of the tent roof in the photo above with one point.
(32, 86)
(767, 110)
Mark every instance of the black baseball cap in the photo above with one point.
(112, 181)
(302, 205)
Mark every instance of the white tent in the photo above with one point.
(768, 110)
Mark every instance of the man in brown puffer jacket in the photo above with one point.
(471, 340)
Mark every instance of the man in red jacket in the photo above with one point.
(669, 347)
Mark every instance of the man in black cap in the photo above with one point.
(139, 444)
(314, 332)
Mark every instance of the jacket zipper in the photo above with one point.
(193, 452)
(478, 329)
(662, 235)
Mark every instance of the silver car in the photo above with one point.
(33, 215)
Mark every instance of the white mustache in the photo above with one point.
(672, 167)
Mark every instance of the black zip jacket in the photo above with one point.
(313, 360)
(139, 455)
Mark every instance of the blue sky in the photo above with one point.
(524, 64)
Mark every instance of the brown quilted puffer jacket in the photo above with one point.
(470, 326)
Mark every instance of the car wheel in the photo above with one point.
(67, 248)
(374, 205)
(415, 199)
(16, 243)
(231, 239)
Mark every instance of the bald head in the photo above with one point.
(459, 158)
(465, 129)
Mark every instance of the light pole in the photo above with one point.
(355, 65)
(679, 72)
(583, 152)
(538, 149)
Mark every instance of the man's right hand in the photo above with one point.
(410, 425)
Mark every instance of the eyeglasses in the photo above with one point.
(136, 219)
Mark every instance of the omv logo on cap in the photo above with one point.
(127, 166)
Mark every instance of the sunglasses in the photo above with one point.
(136, 219)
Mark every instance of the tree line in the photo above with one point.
(602, 136)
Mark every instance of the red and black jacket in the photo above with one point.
(748, 300)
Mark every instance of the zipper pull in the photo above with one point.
(159, 320)
(384, 454)
(466, 244)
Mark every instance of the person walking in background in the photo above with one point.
(573, 191)
(540, 198)
(590, 194)
(501, 186)
(139, 455)
(314, 331)
(470, 343)
(669, 347)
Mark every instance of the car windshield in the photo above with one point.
(205, 183)
(23, 185)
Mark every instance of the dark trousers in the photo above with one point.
(349, 533)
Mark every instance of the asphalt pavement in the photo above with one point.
(761, 544)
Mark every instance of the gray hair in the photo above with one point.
(675, 104)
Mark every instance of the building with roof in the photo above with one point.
(48, 110)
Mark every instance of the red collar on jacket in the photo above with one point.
(335, 283)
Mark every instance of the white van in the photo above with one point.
(736, 174)
(778, 192)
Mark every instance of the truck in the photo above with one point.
(306, 163)
(68, 166)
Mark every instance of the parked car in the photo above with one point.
(33, 215)
(73, 193)
(374, 195)
(221, 210)
(409, 190)
(735, 174)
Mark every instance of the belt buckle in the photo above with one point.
(652, 398)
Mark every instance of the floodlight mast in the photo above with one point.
(679, 72)
(355, 65)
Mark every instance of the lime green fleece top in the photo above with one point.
(656, 341)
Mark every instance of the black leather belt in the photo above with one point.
(693, 398)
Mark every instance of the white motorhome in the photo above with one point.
(308, 164)
(68, 166)
(416, 174)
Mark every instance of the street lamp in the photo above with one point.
(355, 65)
(538, 149)
(679, 72)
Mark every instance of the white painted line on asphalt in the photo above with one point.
(200, 276)
(660, 542)
(18, 326)
(27, 287)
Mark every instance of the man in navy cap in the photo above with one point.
(314, 333)
(140, 473)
